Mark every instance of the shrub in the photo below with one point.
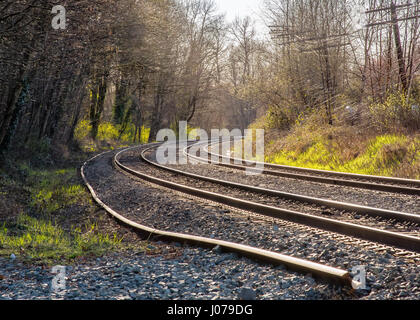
(395, 112)
(109, 133)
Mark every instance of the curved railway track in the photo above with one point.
(371, 211)
(345, 231)
(325, 272)
(386, 184)
(275, 209)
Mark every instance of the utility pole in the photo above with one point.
(394, 22)
(400, 54)
(321, 44)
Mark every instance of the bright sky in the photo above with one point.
(243, 8)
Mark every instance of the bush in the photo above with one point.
(109, 133)
(395, 112)
(279, 118)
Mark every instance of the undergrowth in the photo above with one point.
(108, 135)
(45, 228)
(46, 214)
(52, 190)
(377, 138)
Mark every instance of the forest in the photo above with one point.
(87, 85)
(126, 69)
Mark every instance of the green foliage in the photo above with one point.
(40, 239)
(50, 201)
(82, 130)
(318, 156)
(37, 236)
(109, 133)
(277, 118)
(395, 111)
(145, 133)
(385, 155)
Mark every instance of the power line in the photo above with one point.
(289, 37)
(397, 37)
(389, 8)
(392, 21)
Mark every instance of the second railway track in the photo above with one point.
(386, 184)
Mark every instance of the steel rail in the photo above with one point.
(300, 265)
(345, 174)
(394, 239)
(380, 186)
(389, 214)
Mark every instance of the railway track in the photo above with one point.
(344, 231)
(366, 210)
(271, 206)
(386, 184)
(318, 270)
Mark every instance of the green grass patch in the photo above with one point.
(385, 155)
(50, 233)
(52, 190)
(39, 239)
(43, 212)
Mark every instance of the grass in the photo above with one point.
(46, 227)
(41, 240)
(385, 155)
(52, 190)
(47, 216)
(381, 139)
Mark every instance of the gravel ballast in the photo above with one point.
(369, 198)
(196, 274)
(131, 159)
(167, 210)
(190, 273)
